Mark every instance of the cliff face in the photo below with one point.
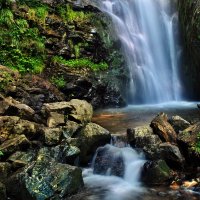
(70, 43)
(189, 11)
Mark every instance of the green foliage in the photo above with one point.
(6, 18)
(21, 47)
(58, 81)
(5, 79)
(69, 15)
(80, 63)
(196, 146)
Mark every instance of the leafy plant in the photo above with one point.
(58, 81)
(80, 63)
(1, 153)
(196, 146)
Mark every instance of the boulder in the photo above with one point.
(55, 119)
(18, 143)
(172, 155)
(144, 138)
(63, 153)
(156, 173)
(91, 137)
(3, 195)
(20, 159)
(52, 136)
(189, 143)
(44, 179)
(109, 161)
(11, 107)
(82, 111)
(163, 128)
(12, 126)
(178, 123)
(71, 129)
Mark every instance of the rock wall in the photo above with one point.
(189, 11)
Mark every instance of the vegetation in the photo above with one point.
(5, 79)
(69, 15)
(196, 146)
(58, 81)
(21, 47)
(80, 63)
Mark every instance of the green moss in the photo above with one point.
(5, 79)
(58, 81)
(80, 63)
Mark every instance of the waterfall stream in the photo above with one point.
(115, 172)
(148, 33)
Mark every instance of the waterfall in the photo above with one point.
(148, 32)
(115, 173)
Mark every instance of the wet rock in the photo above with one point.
(156, 173)
(144, 138)
(109, 161)
(178, 123)
(163, 128)
(172, 155)
(3, 195)
(63, 153)
(45, 179)
(5, 170)
(91, 137)
(18, 143)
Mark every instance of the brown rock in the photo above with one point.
(18, 143)
(56, 119)
(2, 192)
(5, 170)
(163, 128)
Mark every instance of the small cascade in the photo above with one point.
(148, 33)
(115, 172)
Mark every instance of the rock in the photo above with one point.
(45, 179)
(52, 136)
(11, 126)
(163, 128)
(2, 192)
(91, 137)
(178, 123)
(109, 161)
(144, 138)
(63, 153)
(71, 129)
(55, 119)
(11, 107)
(5, 170)
(18, 143)
(20, 159)
(156, 173)
(188, 141)
(82, 111)
(172, 155)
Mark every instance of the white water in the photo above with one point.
(111, 187)
(147, 30)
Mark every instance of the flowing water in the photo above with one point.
(108, 186)
(148, 32)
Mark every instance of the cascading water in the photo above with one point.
(148, 32)
(115, 173)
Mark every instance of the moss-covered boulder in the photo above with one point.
(45, 179)
(156, 173)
